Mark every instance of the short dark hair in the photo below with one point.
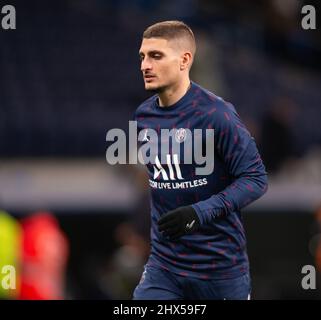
(171, 30)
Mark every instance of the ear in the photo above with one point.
(186, 60)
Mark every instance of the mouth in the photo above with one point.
(149, 78)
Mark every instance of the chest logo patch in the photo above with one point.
(180, 135)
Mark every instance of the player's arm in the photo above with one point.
(238, 151)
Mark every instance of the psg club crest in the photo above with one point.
(180, 135)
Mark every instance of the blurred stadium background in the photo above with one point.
(78, 228)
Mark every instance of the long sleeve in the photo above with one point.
(237, 150)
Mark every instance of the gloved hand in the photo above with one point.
(178, 222)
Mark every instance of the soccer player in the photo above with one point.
(198, 244)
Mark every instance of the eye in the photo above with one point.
(157, 56)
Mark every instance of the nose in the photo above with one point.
(145, 65)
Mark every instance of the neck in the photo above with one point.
(173, 93)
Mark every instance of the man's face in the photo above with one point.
(160, 63)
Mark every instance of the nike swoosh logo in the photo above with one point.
(189, 226)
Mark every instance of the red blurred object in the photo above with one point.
(44, 258)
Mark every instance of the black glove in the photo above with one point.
(178, 222)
